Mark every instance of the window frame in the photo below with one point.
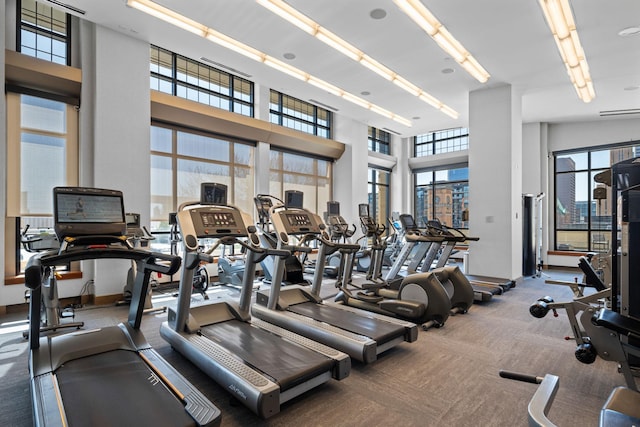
(433, 185)
(374, 186)
(319, 204)
(451, 140)
(592, 231)
(14, 214)
(43, 31)
(233, 98)
(175, 157)
(379, 141)
(279, 117)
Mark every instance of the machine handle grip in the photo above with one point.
(521, 377)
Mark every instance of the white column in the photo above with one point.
(495, 182)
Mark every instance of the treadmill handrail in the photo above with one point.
(52, 258)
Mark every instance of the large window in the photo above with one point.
(180, 76)
(42, 153)
(293, 113)
(182, 159)
(379, 140)
(44, 32)
(312, 176)
(442, 141)
(582, 205)
(442, 194)
(379, 180)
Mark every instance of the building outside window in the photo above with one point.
(182, 159)
(293, 113)
(183, 77)
(582, 205)
(312, 176)
(379, 140)
(442, 141)
(442, 194)
(42, 136)
(379, 182)
(44, 32)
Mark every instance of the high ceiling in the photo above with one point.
(509, 38)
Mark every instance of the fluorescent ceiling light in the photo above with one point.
(321, 84)
(285, 68)
(288, 13)
(430, 24)
(212, 35)
(338, 44)
(168, 15)
(285, 11)
(234, 45)
(562, 25)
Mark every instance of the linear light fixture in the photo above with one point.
(214, 36)
(430, 24)
(560, 20)
(288, 13)
(169, 16)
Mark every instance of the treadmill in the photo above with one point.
(109, 375)
(363, 335)
(261, 365)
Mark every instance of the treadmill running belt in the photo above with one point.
(378, 330)
(117, 388)
(285, 363)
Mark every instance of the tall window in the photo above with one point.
(180, 76)
(44, 32)
(442, 194)
(293, 113)
(582, 204)
(182, 159)
(307, 174)
(442, 141)
(379, 180)
(379, 140)
(42, 153)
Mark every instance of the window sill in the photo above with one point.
(64, 275)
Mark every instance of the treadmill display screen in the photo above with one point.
(363, 210)
(82, 211)
(88, 208)
(225, 219)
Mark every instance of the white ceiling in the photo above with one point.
(509, 38)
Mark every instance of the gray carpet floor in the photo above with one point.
(449, 377)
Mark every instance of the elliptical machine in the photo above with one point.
(420, 298)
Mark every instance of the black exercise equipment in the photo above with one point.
(110, 375)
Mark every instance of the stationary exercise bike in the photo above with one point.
(50, 311)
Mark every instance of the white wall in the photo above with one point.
(114, 132)
(350, 171)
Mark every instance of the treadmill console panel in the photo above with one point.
(295, 222)
(211, 222)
